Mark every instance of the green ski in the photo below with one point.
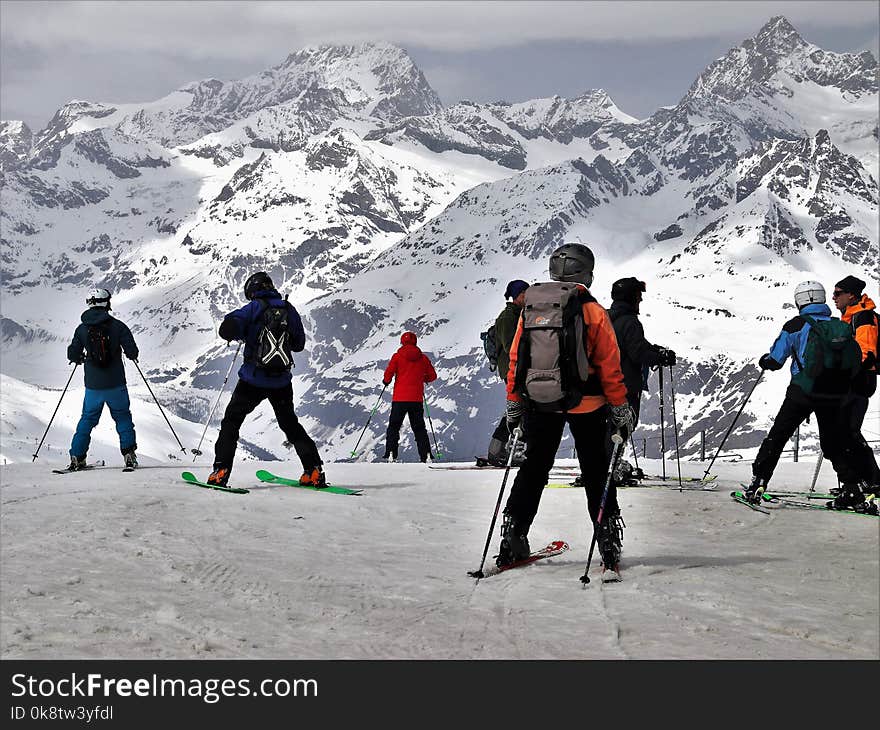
(739, 497)
(190, 478)
(772, 498)
(268, 477)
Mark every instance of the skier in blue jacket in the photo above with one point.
(834, 432)
(98, 343)
(271, 330)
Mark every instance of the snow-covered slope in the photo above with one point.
(143, 566)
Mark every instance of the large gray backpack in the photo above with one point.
(552, 369)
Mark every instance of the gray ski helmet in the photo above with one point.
(572, 262)
(257, 282)
(98, 298)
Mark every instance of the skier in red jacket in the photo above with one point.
(410, 369)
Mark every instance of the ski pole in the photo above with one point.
(615, 453)
(816, 473)
(733, 423)
(478, 573)
(378, 400)
(662, 427)
(158, 404)
(635, 455)
(197, 450)
(675, 424)
(431, 424)
(75, 366)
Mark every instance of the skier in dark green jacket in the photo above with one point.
(505, 329)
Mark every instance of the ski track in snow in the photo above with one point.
(110, 565)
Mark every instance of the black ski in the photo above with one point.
(82, 468)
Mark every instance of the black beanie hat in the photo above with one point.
(627, 290)
(851, 285)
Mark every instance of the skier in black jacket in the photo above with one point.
(265, 375)
(637, 355)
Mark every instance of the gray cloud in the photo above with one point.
(645, 54)
(247, 30)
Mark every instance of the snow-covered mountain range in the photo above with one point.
(378, 209)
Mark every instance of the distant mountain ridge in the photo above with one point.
(340, 173)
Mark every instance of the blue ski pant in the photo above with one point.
(93, 404)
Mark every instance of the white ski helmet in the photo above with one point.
(809, 292)
(99, 298)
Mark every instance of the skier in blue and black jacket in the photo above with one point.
(271, 330)
(833, 428)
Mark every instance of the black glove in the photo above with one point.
(666, 356)
(768, 363)
(622, 418)
(869, 362)
(514, 414)
(228, 330)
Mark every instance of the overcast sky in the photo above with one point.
(645, 54)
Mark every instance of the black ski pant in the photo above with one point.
(855, 407)
(244, 399)
(543, 434)
(416, 412)
(835, 435)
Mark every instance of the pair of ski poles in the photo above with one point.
(76, 365)
(617, 441)
(663, 426)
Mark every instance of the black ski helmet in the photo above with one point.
(572, 262)
(257, 282)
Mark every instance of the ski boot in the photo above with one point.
(220, 476)
(77, 463)
(755, 490)
(869, 506)
(610, 541)
(578, 481)
(131, 461)
(514, 542)
(850, 496)
(314, 478)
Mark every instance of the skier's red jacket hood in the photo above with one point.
(411, 369)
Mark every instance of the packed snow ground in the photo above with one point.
(103, 564)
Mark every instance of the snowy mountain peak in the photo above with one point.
(778, 57)
(778, 37)
(16, 140)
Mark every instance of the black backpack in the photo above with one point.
(98, 349)
(490, 347)
(272, 351)
(552, 366)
